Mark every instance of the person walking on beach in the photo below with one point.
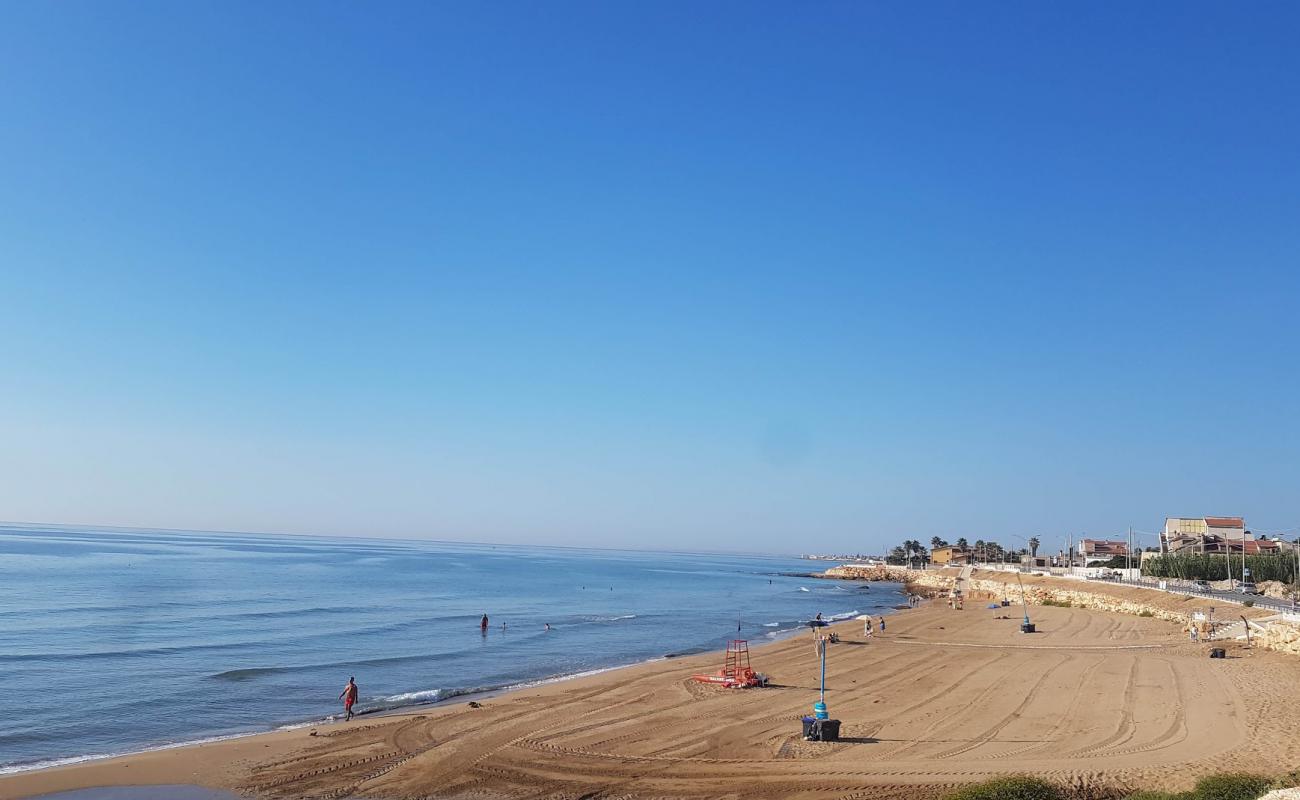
(866, 629)
(882, 624)
(349, 696)
(482, 626)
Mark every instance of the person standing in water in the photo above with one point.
(482, 626)
(349, 697)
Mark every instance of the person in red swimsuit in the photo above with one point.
(349, 696)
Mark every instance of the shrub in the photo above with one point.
(1014, 788)
(1152, 796)
(1059, 603)
(1248, 603)
(1145, 613)
(1233, 786)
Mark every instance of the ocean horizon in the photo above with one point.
(131, 639)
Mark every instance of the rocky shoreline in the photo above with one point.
(1267, 629)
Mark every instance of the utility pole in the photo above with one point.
(1297, 573)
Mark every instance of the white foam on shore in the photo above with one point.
(412, 698)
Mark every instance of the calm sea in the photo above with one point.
(115, 641)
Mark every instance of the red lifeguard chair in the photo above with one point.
(736, 673)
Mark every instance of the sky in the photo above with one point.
(786, 277)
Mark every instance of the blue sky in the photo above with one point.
(779, 277)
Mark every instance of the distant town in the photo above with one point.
(1181, 537)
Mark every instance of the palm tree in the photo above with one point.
(1033, 546)
(913, 547)
(979, 546)
(936, 543)
(962, 544)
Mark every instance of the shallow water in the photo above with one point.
(116, 641)
(167, 792)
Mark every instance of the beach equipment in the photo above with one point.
(1026, 626)
(736, 672)
(820, 727)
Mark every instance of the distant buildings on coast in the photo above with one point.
(1215, 535)
(1181, 535)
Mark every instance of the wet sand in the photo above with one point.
(942, 698)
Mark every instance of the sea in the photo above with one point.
(115, 641)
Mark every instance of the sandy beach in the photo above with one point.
(944, 697)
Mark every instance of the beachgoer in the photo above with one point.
(503, 626)
(882, 624)
(349, 696)
(819, 617)
(482, 626)
(548, 626)
(866, 630)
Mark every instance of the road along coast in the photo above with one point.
(1096, 700)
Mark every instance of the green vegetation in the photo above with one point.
(1234, 786)
(1020, 787)
(1059, 603)
(1214, 567)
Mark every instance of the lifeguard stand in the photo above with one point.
(736, 664)
(736, 673)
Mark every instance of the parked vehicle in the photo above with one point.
(1201, 586)
(1248, 588)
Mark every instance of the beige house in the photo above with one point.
(949, 555)
(1204, 534)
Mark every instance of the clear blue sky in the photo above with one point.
(792, 276)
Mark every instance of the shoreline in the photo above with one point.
(944, 698)
(458, 696)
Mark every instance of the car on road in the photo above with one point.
(1248, 588)
(1201, 586)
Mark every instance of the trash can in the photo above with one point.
(821, 730)
(1026, 627)
(1218, 652)
(830, 730)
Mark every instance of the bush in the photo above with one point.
(1145, 613)
(1248, 603)
(1234, 786)
(1214, 567)
(1059, 603)
(1014, 788)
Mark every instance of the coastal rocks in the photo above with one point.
(1272, 633)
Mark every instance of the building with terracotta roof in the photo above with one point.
(1205, 535)
(1099, 550)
